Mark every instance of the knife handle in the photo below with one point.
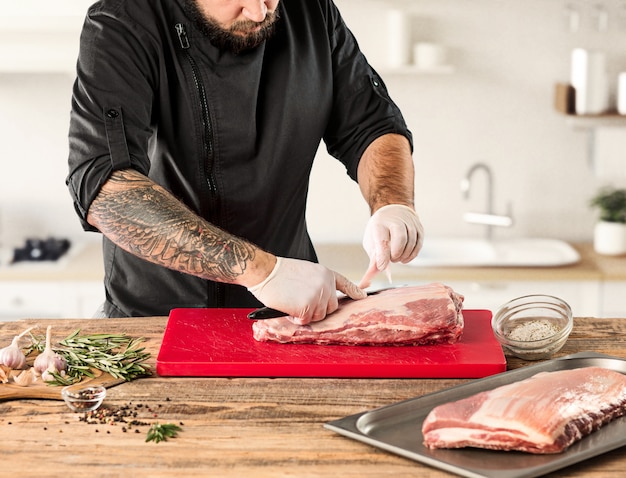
(269, 313)
(266, 313)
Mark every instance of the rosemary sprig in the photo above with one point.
(117, 354)
(158, 432)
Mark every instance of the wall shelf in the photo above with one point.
(590, 124)
(596, 121)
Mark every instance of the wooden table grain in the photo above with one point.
(238, 427)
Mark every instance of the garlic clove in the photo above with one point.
(4, 373)
(25, 378)
(47, 376)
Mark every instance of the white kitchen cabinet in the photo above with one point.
(73, 299)
(84, 298)
(48, 299)
(28, 299)
(613, 299)
(582, 296)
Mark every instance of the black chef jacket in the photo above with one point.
(232, 136)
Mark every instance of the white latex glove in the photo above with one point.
(305, 290)
(394, 233)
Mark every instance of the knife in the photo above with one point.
(269, 313)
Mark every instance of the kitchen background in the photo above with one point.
(496, 107)
(492, 102)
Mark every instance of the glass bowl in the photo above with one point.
(533, 327)
(83, 399)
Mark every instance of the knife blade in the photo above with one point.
(269, 313)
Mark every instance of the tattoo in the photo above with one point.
(144, 219)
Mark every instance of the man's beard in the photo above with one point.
(241, 36)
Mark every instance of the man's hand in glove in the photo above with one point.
(305, 290)
(394, 233)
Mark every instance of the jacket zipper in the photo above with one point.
(206, 119)
(208, 150)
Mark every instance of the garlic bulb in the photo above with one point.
(49, 360)
(11, 355)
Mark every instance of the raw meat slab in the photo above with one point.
(543, 414)
(397, 428)
(219, 343)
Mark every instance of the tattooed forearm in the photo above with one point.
(145, 220)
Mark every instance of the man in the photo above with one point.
(193, 131)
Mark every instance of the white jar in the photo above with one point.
(609, 238)
(589, 79)
(398, 38)
(621, 93)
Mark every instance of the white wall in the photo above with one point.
(38, 45)
(496, 107)
(34, 117)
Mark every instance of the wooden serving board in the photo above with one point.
(39, 389)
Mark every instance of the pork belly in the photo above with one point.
(428, 314)
(545, 413)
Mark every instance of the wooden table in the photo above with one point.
(239, 427)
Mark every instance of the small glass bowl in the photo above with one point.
(83, 399)
(533, 327)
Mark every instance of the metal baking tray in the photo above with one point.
(397, 428)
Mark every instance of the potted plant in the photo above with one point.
(609, 235)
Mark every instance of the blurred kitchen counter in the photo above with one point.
(73, 286)
(83, 262)
(352, 261)
(69, 287)
(594, 286)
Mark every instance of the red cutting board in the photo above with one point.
(219, 343)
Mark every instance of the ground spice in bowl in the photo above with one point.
(533, 330)
(533, 327)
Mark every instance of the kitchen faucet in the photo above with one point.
(488, 218)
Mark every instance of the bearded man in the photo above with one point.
(194, 126)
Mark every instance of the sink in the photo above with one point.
(467, 252)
